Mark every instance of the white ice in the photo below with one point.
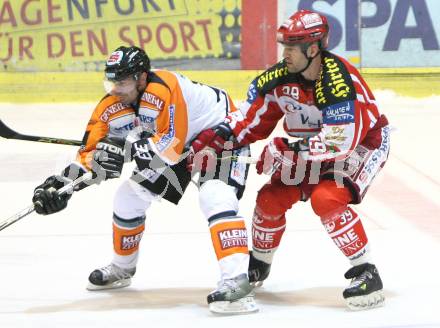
(45, 261)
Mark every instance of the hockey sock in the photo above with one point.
(266, 236)
(348, 234)
(230, 241)
(127, 235)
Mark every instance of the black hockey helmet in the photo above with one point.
(126, 61)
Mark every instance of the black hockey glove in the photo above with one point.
(108, 159)
(46, 199)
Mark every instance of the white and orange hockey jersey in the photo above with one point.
(174, 107)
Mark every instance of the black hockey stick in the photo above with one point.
(28, 210)
(8, 133)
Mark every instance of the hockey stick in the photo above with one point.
(240, 159)
(28, 210)
(8, 133)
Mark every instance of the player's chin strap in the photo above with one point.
(304, 48)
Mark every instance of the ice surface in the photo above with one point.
(45, 261)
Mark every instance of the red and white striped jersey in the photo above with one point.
(333, 114)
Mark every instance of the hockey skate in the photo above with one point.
(365, 290)
(258, 271)
(233, 296)
(110, 277)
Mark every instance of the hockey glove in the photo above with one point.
(46, 199)
(218, 138)
(275, 155)
(208, 143)
(108, 159)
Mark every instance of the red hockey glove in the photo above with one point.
(219, 138)
(205, 147)
(275, 155)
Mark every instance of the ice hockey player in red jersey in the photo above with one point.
(152, 116)
(336, 143)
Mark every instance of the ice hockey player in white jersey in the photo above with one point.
(152, 116)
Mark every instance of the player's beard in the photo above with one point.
(297, 66)
(131, 96)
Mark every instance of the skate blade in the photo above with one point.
(371, 301)
(256, 284)
(241, 306)
(117, 284)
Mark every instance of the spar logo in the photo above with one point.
(233, 238)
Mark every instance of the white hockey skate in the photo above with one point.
(233, 296)
(110, 277)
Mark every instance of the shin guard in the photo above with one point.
(127, 235)
(266, 236)
(348, 234)
(230, 240)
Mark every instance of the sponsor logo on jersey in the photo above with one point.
(252, 92)
(334, 83)
(270, 75)
(233, 238)
(166, 139)
(147, 115)
(335, 135)
(319, 90)
(385, 146)
(130, 242)
(339, 88)
(154, 100)
(341, 113)
(127, 127)
(109, 111)
(373, 162)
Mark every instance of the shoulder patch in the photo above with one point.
(334, 84)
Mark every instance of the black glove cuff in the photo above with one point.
(224, 131)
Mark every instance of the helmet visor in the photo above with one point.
(126, 85)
